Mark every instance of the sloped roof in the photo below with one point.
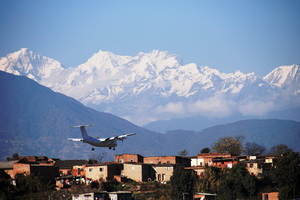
(68, 164)
(7, 164)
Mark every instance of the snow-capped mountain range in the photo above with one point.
(157, 85)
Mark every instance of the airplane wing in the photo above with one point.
(120, 137)
(76, 139)
(79, 126)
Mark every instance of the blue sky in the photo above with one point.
(251, 36)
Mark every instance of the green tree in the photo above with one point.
(211, 180)
(6, 188)
(183, 152)
(15, 156)
(232, 145)
(252, 148)
(205, 150)
(183, 183)
(237, 183)
(31, 185)
(280, 149)
(287, 175)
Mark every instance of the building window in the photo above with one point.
(100, 169)
(90, 169)
(168, 162)
(163, 176)
(131, 160)
(251, 165)
(266, 197)
(121, 160)
(87, 197)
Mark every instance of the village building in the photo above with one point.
(176, 160)
(198, 169)
(131, 158)
(270, 196)
(78, 170)
(259, 165)
(204, 196)
(164, 172)
(224, 162)
(119, 195)
(205, 159)
(41, 160)
(8, 167)
(254, 167)
(105, 171)
(138, 172)
(31, 165)
(66, 166)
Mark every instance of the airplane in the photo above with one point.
(110, 142)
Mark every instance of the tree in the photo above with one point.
(211, 180)
(205, 150)
(237, 183)
(182, 183)
(280, 149)
(97, 158)
(252, 148)
(15, 156)
(183, 152)
(287, 174)
(6, 188)
(232, 145)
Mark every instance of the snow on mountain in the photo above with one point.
(24, 62)
(284, 76)
(157, 85)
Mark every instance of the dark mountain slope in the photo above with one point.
(199, 123)
(265, 132)
(36, 120)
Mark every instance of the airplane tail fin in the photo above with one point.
(82, 129)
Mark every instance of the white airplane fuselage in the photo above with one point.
(99, 142)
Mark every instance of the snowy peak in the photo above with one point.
(156, 85)
(24, 62)
(284, 76)
(156, 61)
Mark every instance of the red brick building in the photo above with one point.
(129, 158)
(176, 160)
